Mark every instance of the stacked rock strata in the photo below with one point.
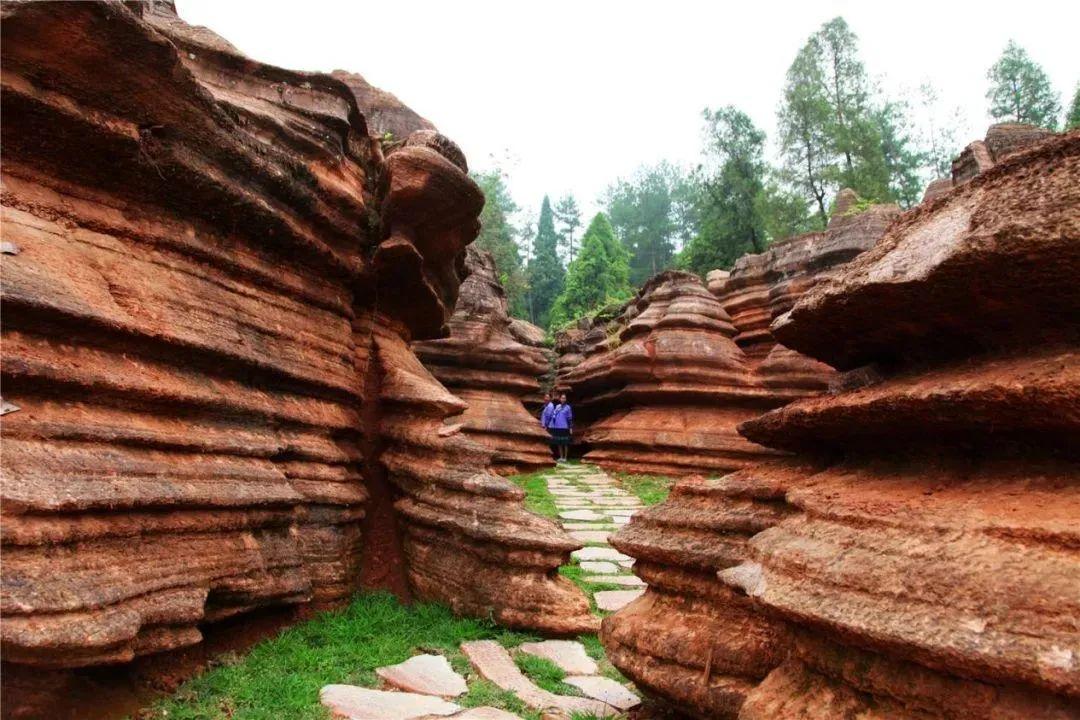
(667, 382)
(922, 549)
(211, 275)
(663, 381)
(484, 363)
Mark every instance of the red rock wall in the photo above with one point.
(661, 383)
(211, 275)
(918, 559)
(484, 363)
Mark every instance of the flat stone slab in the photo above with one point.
(597, 536)
(569, 655)
(627, 563)
(620, 519)
(486, 713)
(495, 664)
(425, 674)
(605, 690)
(625, 512)
(628, 580)
(599, 566)
(358, 703)
(600, 553)
(581, 515)
(612, 600)
(608, 527)
(620, 502)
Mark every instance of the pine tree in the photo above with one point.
(1020, 90)
(599, 275)
(546, 273)
(1073, 118)
(803, 119)
(569, 218)
(497, 236)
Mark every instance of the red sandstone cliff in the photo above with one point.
(918, 559)
(213, 277)
(485, 364)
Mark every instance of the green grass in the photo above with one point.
(537, 497)
(651, 489)
(281, 677)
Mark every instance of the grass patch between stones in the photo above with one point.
(281, 677)
(650, 489)
(537, 496)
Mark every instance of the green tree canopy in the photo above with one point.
(1072, 120)
(545, 273)
(497, 236)
(836, 132)
(649, 215)
(568, 217)
(727, 207)
(598, 276)
(1020, 90)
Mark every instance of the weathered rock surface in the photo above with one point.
(485, 362)
(930, 567)
(382, 111)
(917, 559)
(662, 384)
(206, 331)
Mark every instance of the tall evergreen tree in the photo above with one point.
(569, 218)
(804, 119)
(598, 276)
(647, 215)
(1020, 90)
(834, 130)
(1072, 120)
(497, 236)
(546, 273)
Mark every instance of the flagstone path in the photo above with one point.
(591, 506)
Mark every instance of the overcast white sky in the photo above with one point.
(566, 96)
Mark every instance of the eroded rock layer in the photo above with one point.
(931, 566)
(208, 262)
(493, 366)
(662, 382)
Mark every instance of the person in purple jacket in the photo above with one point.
(562, 426)
(545, 421)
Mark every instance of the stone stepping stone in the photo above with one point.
(599, 566)
(589, 536)
(620, 519)
(626, 503)
(612, 600)
(625, 512)
(569, 655)
(358, 703)
(581, 515)
(588, 526)
(486, 713)
(627, 563)
(425, 674)
(495, 664)
(628, 580)
(605, 690)
(600, 553)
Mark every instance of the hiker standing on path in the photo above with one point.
(562, 426)
(545, 420)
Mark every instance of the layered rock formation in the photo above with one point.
(493, 365)
(211, 277)
(663, 381)
(919, 559)
(667, 382)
